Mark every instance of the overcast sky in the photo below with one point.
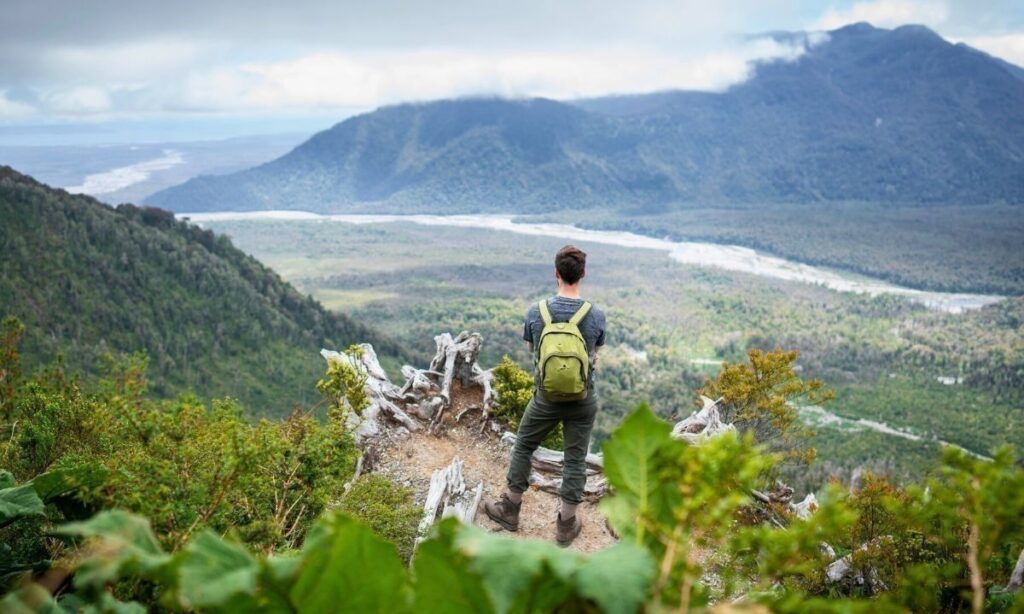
(123, 60)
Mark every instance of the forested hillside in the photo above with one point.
(895, 116)
(89, 280)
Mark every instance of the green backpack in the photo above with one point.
(563, 363)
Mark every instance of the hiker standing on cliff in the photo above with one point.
(563, 333)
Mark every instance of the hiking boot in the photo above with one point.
(567, 530)
(504, 512)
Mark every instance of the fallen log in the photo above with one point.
(547, 460)
(595, 487)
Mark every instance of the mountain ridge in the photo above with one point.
(873, 115)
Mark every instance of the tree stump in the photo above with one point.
(448, 496)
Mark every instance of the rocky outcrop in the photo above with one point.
(429, 402)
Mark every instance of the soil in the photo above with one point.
(413, 459)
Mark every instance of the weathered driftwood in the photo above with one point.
(484, 379)
(448, 496)
(418, 383)
(1017, 577)
(702, 424)
(843, 571)
(385, 400)
(780, 494)
(805, 508)
(456, 357)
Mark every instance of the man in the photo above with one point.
(546, 410)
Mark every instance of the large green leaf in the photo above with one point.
(61, 488)
(125, 544)
(616, 578)
(629, 464)
(63, 482)
(30, 599)
(442, 576)
(517, 571)
(108, 604)
(212, 571)
(346, 568)
(19, 502)
(6, 479)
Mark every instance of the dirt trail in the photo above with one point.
(413, 460)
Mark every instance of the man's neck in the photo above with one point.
(567, 291)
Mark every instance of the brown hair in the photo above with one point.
(571, 263)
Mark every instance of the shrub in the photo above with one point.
(514, 388)
(385, 507)
(183, 464)
(674, 505)
(343, 386)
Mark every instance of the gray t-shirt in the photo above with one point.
(561, 308)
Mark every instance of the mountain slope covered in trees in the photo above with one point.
(88, 280)
(896, 116)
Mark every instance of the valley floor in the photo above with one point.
(670, 326)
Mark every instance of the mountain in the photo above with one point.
(87, 279)
(895, 116)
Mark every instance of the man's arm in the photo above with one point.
(527, 334)
(600, 339)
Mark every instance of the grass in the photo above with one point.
(342, 300)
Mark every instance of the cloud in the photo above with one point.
(331, 79)
(14, 109)
(100, 61)
(342, 79)
(886, 14)
(1009, 47)
(78, 100)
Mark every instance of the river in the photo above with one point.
(813, 415)
(728, 257)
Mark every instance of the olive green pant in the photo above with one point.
(540, 417)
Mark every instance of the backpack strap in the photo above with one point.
(580, 314)
(544, 313)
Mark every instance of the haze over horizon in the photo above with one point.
(110, 72)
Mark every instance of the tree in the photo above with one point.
(760, 397)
